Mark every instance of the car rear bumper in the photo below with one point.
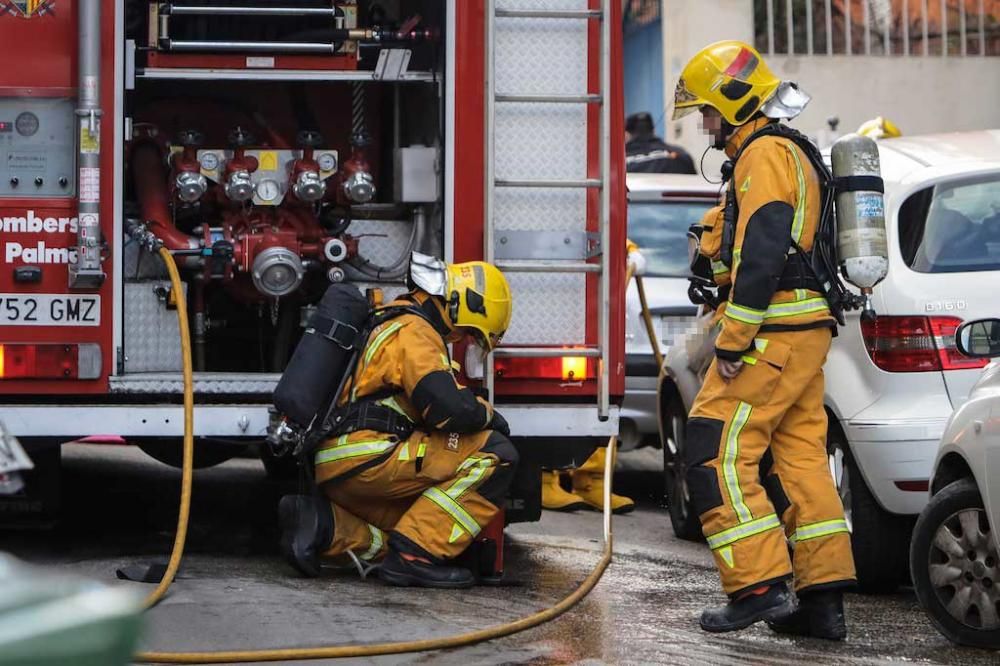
(638, 412)
(896, 457)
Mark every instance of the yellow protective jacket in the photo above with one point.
(405, 366)
(778, 198)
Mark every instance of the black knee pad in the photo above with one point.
(704, 437)
(495, 488)
(502, 448)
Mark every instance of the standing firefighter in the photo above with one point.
(418, 465)
(763, 397)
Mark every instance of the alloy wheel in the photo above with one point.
(964, 569)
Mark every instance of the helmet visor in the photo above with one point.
(484, 342)
(685, 101)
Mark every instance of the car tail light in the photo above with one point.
(915, 344)
(49, 361)
(567, 369)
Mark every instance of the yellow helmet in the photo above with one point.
(729, 76)
(879, 128)
(476, 295)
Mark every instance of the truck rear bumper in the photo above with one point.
(251, 420)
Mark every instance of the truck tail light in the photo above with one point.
(915, 344)
(49, 361)
(566, 369)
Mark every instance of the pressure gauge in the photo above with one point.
(209, 161)
(327, 162)
(268, 190)
(26, 124)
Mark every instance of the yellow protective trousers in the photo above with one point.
(429, 495)
(772, 410)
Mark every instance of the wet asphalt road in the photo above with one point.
(234, 593)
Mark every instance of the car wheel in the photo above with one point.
(682, 519)
(878, 538)
(956, 566)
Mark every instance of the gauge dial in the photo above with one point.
(209, 161)
(268, 190)
(327, 162)
(26, 124)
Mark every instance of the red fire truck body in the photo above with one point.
(275, 149)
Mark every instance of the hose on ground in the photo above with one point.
(188, 455)
(335, 651)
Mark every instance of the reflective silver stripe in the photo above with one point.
(453, 509)
(800, 204)
(744, 531)
(729, 462)
(479, 467)
(391, 403)
(817, 530)
(379, 339)
(357, 449)
(744, 314)
(376, 544)
(792, 308)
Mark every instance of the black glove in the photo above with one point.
(499, 424)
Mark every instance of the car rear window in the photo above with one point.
(660, 231)
(953, 227)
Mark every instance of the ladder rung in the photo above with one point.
(587, 182)
(550, 13)
(548, 267)
(546, 352)
(550, 99)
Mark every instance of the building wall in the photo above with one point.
(644, 72)
(921, 94)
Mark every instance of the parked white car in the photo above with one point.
(892, 383)
(955, 551)
(661, 208)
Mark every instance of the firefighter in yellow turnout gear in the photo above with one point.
(763, 396)
(414, 501)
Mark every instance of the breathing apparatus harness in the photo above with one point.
(365, 413)
(815, 270)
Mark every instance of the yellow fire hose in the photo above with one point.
(334, 651)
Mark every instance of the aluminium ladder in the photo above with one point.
(540, 265)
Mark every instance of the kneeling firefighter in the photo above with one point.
(415, 465)
(763, 396)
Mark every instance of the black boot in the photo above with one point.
(397, 570)
(741, 613)
(306, 531)
(820, 615)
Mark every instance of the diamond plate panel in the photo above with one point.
(541, 141)
(151, 335)
(205, 383)
(548, 309)
(542, 4)
(541, 56)
(140, 264)
(525, 209)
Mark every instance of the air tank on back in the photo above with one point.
(861, 241)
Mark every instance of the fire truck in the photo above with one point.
(278, 147)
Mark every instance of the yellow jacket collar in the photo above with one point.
(743, 133)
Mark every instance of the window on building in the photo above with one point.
(878, 27)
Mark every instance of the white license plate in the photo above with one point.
(49, 310)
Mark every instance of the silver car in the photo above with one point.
(661, 208)
(955, 550)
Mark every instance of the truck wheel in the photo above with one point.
(682, 519)
(879, 539)
(956, 567)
